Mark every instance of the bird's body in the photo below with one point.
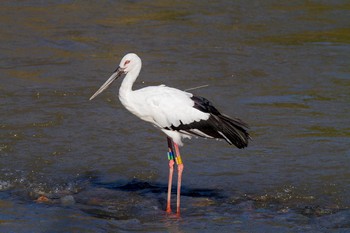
(164, 107)
(180, 114)
(177, 113)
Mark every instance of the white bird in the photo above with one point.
(177, 113)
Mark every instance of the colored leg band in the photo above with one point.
(170, 155)
(178, 160)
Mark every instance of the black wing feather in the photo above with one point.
(233, 130)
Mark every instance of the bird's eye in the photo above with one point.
(126, 62)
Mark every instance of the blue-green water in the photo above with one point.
(282, 67)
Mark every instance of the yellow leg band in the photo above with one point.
(178, 160)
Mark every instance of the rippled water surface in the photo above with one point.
(72, 165)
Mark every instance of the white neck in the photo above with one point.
(126, 86)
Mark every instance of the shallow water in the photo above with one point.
(72, 165)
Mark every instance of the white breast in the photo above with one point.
(163, 106)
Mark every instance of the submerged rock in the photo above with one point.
(67, 200)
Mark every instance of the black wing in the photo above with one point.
(233, 130)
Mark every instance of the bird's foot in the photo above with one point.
(178, 213)
(170, 214)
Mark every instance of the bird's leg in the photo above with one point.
(180, 168)
(171, 172)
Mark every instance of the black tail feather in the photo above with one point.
(234, 131)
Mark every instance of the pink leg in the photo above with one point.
(171, 172)
(180, 168)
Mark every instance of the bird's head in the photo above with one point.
(130, 62)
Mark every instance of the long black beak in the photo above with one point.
(117, 73)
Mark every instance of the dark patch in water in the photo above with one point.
(143, 187)
(105, 214)
(315, 211)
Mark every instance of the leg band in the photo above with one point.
(170, 155)
(178, 160)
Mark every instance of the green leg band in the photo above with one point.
(170, 155)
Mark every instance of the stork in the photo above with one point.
(179, 114)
